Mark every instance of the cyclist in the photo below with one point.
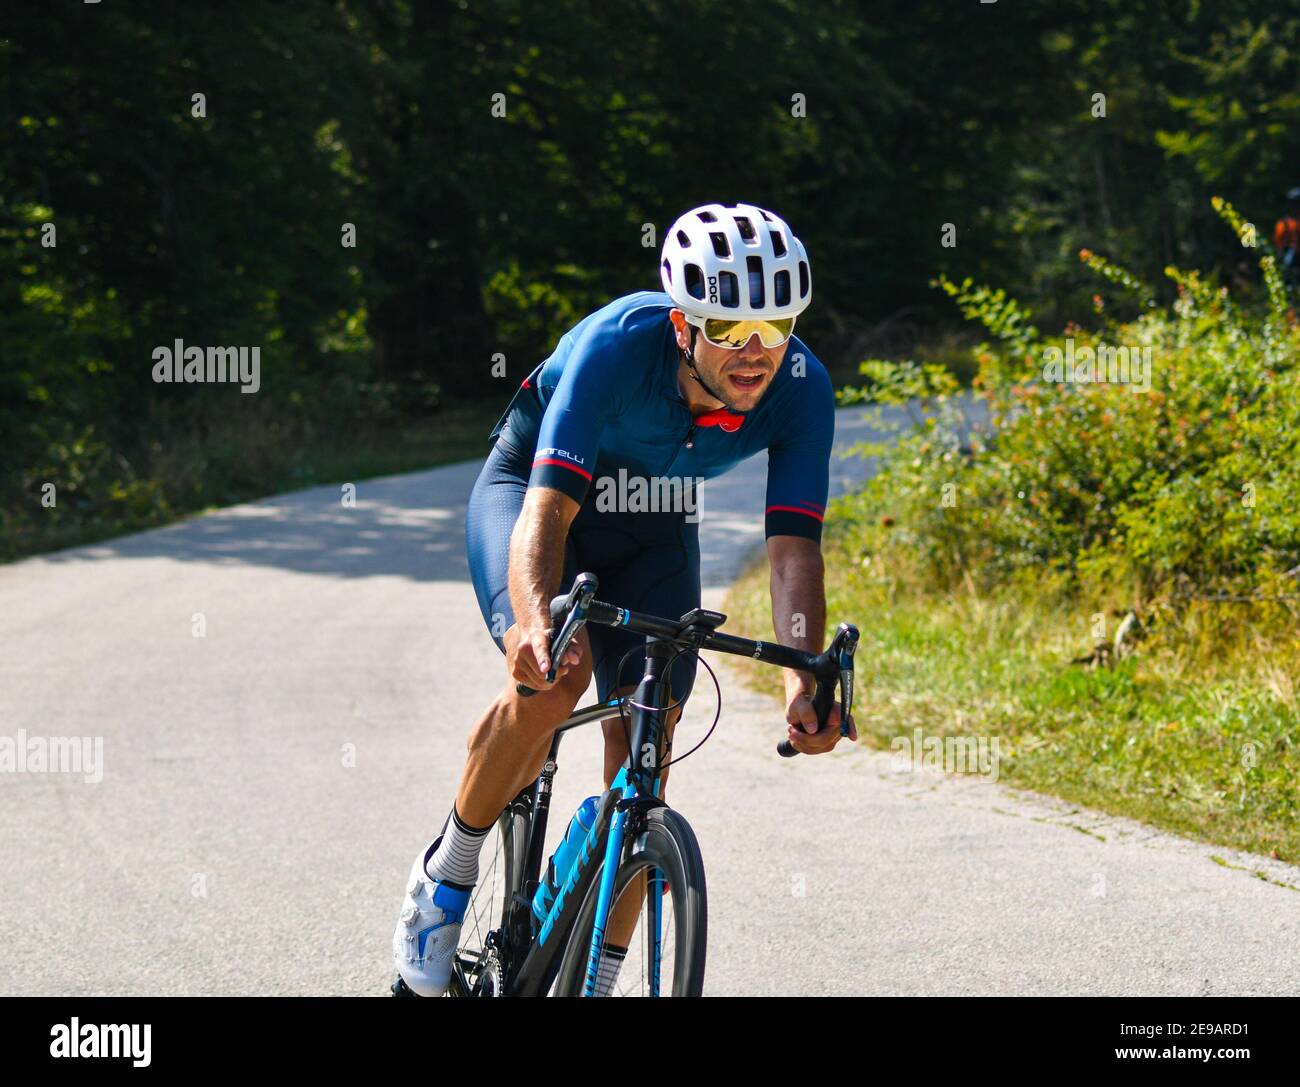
(1286, 235)
(676, 386)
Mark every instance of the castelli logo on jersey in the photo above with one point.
(560, 453)
(713, 288)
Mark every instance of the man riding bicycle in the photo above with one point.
(680, 385)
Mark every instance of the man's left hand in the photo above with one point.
(802, 731)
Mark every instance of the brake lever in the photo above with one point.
(847, 649)
(844, 645)
(574, 610)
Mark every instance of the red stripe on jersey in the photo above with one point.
(562, 464)
(796, 509)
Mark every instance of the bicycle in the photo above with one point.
(636, 844)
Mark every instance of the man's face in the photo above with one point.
(740, 377)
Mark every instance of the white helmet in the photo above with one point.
(735, 262)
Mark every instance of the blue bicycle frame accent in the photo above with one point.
(655, 892)
(605, 898)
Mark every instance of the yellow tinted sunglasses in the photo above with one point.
(733, 335)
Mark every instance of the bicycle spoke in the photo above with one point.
(485, 899)
(634, 977)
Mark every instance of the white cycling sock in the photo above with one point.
(455, 861)
(611, 958)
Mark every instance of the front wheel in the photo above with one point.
(659, 894)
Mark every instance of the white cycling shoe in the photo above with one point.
(428, 929)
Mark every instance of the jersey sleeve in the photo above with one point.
(588, 393)
(799, 462)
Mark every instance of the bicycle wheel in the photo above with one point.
(665, 872)
(489, 904)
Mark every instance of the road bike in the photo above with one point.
(638, 870)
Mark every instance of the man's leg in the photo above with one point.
(508, 744)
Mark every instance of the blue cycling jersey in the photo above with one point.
(611, 401)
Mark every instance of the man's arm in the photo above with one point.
(799, 619)
(536, 566)
(798, 602)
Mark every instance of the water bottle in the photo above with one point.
(557, 869)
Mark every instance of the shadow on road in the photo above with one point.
(410, 526)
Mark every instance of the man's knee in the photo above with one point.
(539, 714)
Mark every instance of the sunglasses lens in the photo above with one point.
(736, 334)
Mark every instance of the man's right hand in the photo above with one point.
(528, 656)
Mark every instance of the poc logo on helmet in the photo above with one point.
(713, 288)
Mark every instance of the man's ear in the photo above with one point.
(682, 330)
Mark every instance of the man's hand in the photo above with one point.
(528, 656)
(802, 721)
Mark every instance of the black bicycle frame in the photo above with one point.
(536, 973)
(665, 639)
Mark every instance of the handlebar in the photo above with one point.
(697, 630)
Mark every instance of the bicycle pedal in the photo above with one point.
(400, 988)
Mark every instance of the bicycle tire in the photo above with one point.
(667, 845)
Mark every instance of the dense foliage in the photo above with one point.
(484, 232)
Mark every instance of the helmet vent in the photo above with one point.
(781, 288)
(694, 281)
(803, 278)
(764, 215)
(707, 216)
(755, 266)
(778, 243)
(728, 289)
(683, 239)
(668, 271)
(720, 246)
(747, 232)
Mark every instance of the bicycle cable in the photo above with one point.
(626, 700)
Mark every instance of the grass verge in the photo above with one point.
(1203, 744)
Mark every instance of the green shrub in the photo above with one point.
(1178, 487)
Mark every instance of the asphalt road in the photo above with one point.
(265, 785)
